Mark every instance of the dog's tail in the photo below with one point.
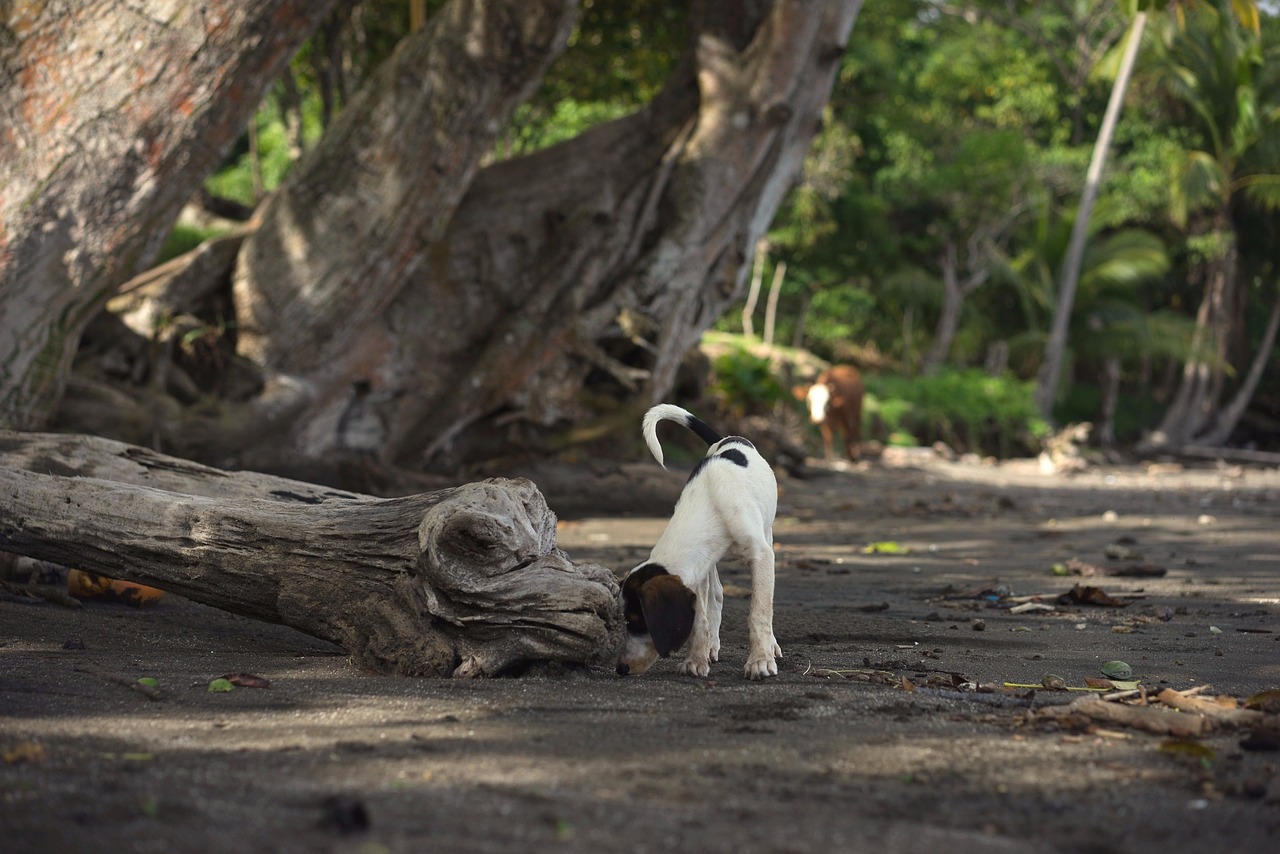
(671, 412)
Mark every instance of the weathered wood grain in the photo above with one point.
(465, 581)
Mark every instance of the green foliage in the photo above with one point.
(968, 409)
(183, 239)
(745, 383)
(275, 155)
(839, 315)
(618, 57)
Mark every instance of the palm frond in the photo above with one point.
(1262, 190)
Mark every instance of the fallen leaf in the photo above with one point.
(1138, 570)
(25, 751)
(1088, 595)
(221, 686)
(247, 680)
(886, 547)
(1189, 749)
(1265, 701)
(90, 585)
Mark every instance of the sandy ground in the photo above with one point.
(836, 754)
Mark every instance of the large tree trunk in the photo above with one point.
(463, 582)
(101, 143)
(496, 294)
(353, 223)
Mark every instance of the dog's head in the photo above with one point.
(658, 609)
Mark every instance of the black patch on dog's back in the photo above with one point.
(733, 455)
(737, 440)
(697, 469)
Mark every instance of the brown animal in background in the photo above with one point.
(835, 403)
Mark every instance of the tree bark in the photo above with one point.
(609, 253)
(352, 223)
(462, 582)
(101, 143)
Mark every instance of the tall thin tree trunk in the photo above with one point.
(802, 318)
(908, 351)
(953, 296)
(1056, 346)
(771, 306)
(753, 293)
(1194, 406)
(1106, 431)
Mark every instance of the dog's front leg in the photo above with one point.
(697, 661)
(762, 647)
(715, 609)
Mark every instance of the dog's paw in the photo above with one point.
(695, 667)
(760, 667)
(715, 652)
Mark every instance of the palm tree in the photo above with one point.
(1218, 69)
(1109, 325)
(1246, 12)
(1055, 347)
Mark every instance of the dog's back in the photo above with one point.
(732, 477)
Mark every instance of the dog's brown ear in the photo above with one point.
(668, 612)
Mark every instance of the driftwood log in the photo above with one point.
(464, 581)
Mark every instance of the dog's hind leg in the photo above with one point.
(715, 609)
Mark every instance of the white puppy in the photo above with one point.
(675, 596)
